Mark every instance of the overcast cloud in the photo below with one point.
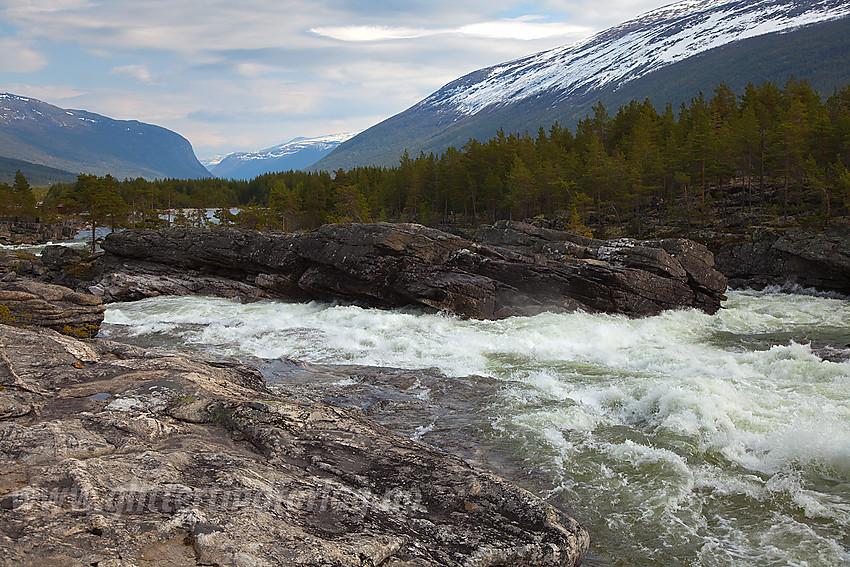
(243, 76)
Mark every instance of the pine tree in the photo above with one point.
(23, 197)
(7, 200)
(351, 205)
(285, 204)
(99, 199)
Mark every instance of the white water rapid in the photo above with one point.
(681, 439)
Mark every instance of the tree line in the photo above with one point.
(769, 152)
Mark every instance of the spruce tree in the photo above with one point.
(23, 197)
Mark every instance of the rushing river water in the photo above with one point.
(681, 439)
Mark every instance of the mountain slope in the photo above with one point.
(37, 175)
(84, 142)
(296, 154)
(662, 55)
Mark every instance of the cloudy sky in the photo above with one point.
(240, 76)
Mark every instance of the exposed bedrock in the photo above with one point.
(797, 257)
(390, 265)
(30, 303)
(115, 455)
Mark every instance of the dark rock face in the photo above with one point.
(388, 265)
(769, 257)
(31, 303)
(14, 264)
(15, 231)
(670, 273)
(114, 455)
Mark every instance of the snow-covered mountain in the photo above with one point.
(296, 154)
(211, 162)
(633, 49)
(79, 141)
(555, 84)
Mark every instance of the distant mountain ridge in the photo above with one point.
(79, 141)
(299, 153)
(668, 44)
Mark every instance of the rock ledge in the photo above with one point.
(115, 456)
(391, 265)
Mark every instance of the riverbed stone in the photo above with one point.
(797, 257)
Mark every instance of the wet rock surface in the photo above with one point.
(391, 265)
(115, 455)
(673, 272)
(452, 413)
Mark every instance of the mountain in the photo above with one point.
(82, 142)
(296, 154)
(37, 175)
(211, 162)
(667, 55)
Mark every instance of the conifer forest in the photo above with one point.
(772, 154)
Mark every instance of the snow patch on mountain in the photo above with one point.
(21, 108)
(297, 154)
(78, 140)
(212, 161)
(291, 147)
(631, 50)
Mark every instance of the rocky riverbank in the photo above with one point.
(338, 262)
(392, 265)
(794, 257)
(15, 231)
(34, 304)
(115, 456)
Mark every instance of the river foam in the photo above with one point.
(683, 439)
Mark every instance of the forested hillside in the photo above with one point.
(668, 55)
(767, 155)
(37, 175)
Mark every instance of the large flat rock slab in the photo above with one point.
(112, 455)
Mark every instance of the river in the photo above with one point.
(680, 439)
